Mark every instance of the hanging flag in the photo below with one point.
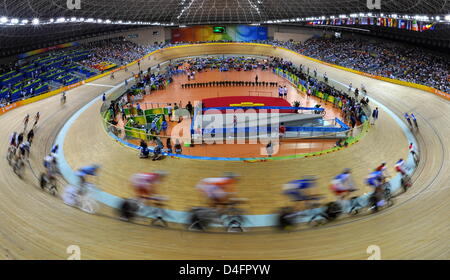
(426, 27)
(408, 25)
(415, 26)
(364, 21)
(403, 24)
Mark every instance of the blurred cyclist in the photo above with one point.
(54, 150)
(19, 139)
(50, 165)
(24, 150)
(25, 121)
(342, 184)
(296, 190)
(383, 169)
(376, 180)
(413, 152)
(36, 119)
(144, 184)
(72, 193)
(82, 174)
(400, 167)
(30, 136)
(218, 191)
(63, 97)
(13, 139)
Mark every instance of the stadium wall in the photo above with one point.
(298, 37)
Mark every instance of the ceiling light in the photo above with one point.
(35, 21)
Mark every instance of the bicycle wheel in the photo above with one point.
(43, 181)
(235, 226)
(9, 156)
(19, 168)
(52, 187)
(89, 205)
(387, 193)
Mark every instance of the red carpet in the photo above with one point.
(247, 101)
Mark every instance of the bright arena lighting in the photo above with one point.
(230, 131)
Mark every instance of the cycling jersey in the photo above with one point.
(143, 183)
(341, 183)
(399, 166)
(48, 160)
(25, 146)
(375, 178)
(300, 184)
(294, 189)
(216, 188)
(54, 149)
(12, 140)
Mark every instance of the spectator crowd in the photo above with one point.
(381, 58)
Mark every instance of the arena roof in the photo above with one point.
(22, 21)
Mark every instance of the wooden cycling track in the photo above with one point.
(35, 225)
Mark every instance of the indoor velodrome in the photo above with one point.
(224, 130)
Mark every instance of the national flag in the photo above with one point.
(426, 27)
(415, 26)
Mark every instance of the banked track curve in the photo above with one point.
(34, 225)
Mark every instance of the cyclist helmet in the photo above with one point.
(347, 170)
